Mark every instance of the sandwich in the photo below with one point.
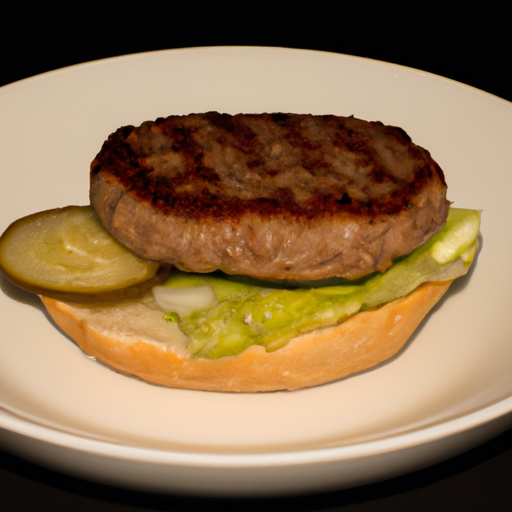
(246, 253)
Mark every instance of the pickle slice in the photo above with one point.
(66, 254)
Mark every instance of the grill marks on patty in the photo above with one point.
(221, 165)
(293, 172)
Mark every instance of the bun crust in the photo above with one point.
(325, 355)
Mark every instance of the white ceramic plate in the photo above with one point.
(447, 391)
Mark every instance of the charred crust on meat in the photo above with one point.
(302, 170)
(345, 199)
(124, 156)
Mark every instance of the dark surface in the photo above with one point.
(473, 45)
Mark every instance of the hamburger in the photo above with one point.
(279, 251)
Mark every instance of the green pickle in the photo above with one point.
(66, 254)
(247, 314)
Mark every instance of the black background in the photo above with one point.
(472, 45)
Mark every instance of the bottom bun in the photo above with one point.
(325, 355)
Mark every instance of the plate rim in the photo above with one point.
(353, 451)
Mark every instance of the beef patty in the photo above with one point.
(273, 196)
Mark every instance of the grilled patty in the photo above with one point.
(272, 196)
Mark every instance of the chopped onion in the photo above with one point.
(184, 299)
